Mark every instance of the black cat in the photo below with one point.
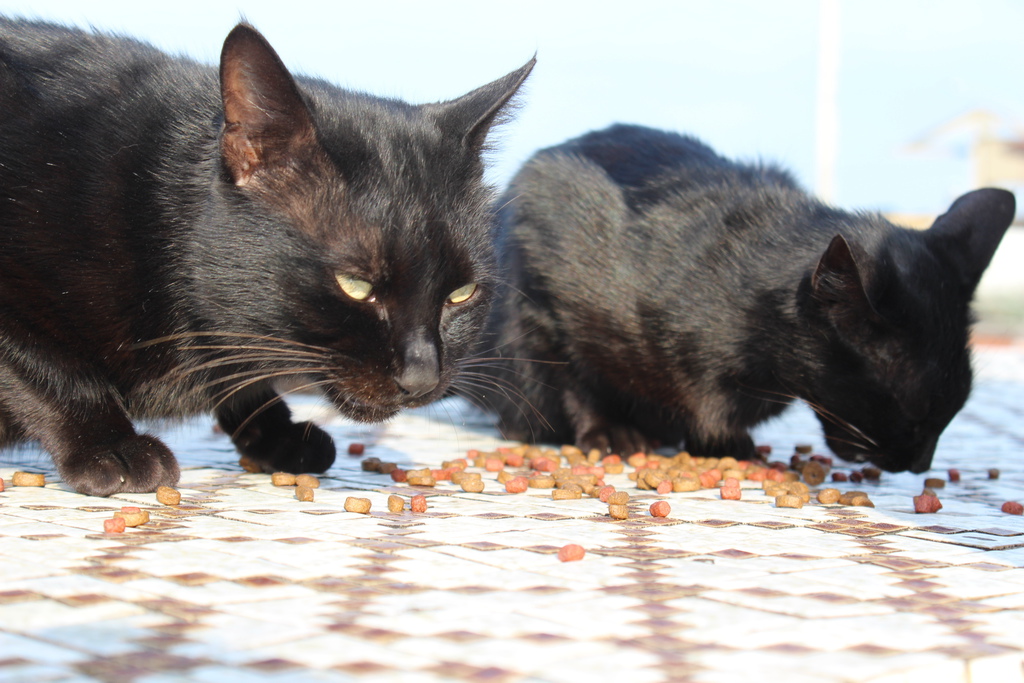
(173, 242)
(660, 293)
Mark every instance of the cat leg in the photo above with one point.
(86, 430)
(261, 427)
(739, 446)
(595, 429)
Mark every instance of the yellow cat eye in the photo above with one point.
(462, 294)
(357, 289)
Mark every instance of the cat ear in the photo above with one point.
(471, 116)
(264, 115)
(970, 231)
(839, 287)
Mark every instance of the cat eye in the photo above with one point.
(462, 294)
(357, 289)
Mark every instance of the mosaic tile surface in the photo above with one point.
(242, 582)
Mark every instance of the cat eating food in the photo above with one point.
(659, 293)
(176, 239)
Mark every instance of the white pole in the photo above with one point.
(827, 126)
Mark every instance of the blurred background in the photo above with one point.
(877, 105)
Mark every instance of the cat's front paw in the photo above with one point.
(138, 463)
(297, 448)
(614, 438)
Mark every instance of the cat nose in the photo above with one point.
(420, 374)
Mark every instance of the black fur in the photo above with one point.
(660, 293)
(171, 240)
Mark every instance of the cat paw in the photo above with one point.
(739, 447)
(136, 464)
(298, 448)
(614, 438)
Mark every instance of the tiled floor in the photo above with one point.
(242, 582)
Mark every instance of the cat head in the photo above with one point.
(896, 315)
(351, 230)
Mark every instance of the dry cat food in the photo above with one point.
(516, 485)
(356, 449)
(472, 485)
(304, 493)
(1012, 508)
(789, 500)
(360, 505)
(27, 479)
(395, 503)
(370, 464)
(618, 511)
(993, 473)
(828, 496)
(660, 508)
(249, 465)
(618, 498)
(307, 480)
(935, 483)
(1, 485)
(568, 493)
(571, 553)
(282, 479)
(132, 515)
(926, 503)
(418, 503)
(114, 526)
(165, 495)
(954, 475)
(541, 481)
(813, 473)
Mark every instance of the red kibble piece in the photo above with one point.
(759, 474)
(954, 475)
(1, 485)
(130, 510)
(399, 475)
(665, 487)
(517, 485)
(514, 459)
(604, 493)
(611, 459)
(763, 450)
(638, 459)
(823, 459)
(1012, 508)
(418, 503)
(840, 476)
(652, 465)
(926, 503)
(356, 449)
(581, 469)
(660, 509)
(730, 492)
(494, 464)
(774, 475)
(856, 477)
(795, 462)
(114, 526)
(778, 465)
(544, 464)
(571, 553)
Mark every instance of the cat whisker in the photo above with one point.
(486, 381)
(277, 399)
(241, 335)
(222, 396)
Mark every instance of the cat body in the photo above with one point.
(174, 240)
(658, 292)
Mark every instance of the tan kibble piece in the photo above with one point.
(935, 483)
(541, 482)
(133, 518)
(813, 473)
(847, 498)
(249, 465)
(618, 498)
(360, 505)
(683, 485)
(165, 495)
(282, 479)
(789, 501)
(614, 468)
(993, 473)
(862, 501)
(790, 477)
(472, 485)
(618, 511)
(395, 503)
(304, 493)
(505, 475)
(28, 479)
(307, 480)
(828, 496)
(804, 449)
(567, 493)
(421, 481)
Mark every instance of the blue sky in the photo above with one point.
(739, 74)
